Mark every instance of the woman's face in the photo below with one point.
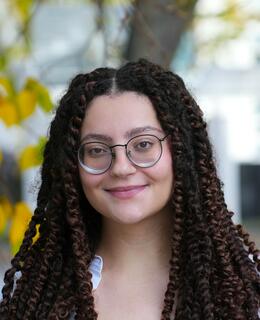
(126, 193)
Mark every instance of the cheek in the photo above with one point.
(91, 185)
(88, 181)
(166, 160)
(165, 171)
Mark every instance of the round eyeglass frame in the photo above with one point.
(113, 155)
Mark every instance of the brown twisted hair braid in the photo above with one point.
(214, 267)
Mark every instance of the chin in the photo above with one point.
(128, 217)
(129, 222)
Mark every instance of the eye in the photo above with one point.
(144, 145)
(96, 151)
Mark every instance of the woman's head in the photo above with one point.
(133, 180)
(113, 102)
(209, 263)
(173, 107)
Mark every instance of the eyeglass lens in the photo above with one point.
(142, 150)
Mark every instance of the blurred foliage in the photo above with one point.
(32, 155)
(14, 220)
(19, 103)
(233, 20)
(22, 9)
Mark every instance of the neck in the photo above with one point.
(138, 248)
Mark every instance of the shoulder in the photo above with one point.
(95, 269)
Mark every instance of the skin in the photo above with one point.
(135, 240)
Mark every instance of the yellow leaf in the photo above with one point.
(26, 101)
(7, 206)
(41, 92)
(15, 248)
(1, 157)
(36, 237)
(6, 210)
(8, 112)
(7, 86)
(19, 223)
(29, 157)
(3, 219)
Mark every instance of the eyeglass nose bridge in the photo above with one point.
(118, 145)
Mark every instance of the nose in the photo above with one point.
(121, 165)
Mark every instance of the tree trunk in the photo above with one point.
(157, 26)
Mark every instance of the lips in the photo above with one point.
(126, 192)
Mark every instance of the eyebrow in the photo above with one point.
(129, 134)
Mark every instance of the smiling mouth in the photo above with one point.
(126, 192)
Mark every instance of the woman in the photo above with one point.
(133, 222)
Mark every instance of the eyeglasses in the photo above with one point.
(144, 151)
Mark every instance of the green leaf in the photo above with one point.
(23, 8)
(40, 147)
(3, 61)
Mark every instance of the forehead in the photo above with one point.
(118, 113)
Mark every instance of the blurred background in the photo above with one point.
(213, 45)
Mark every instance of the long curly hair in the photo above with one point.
(214, 267)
